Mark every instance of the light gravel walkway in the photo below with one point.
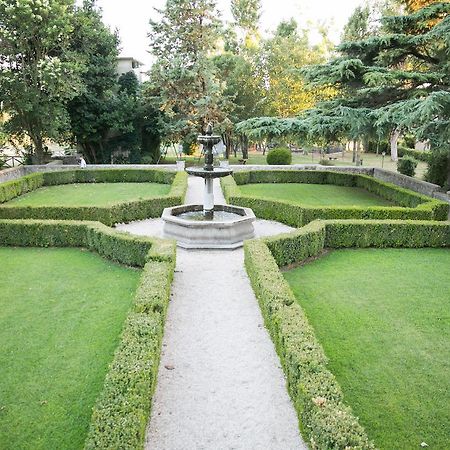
(220, 384)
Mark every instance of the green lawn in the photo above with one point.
(61, 313)
(383, 318)
(316, 195)
(90, 194)
(369, 159)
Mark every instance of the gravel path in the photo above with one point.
(220, 384)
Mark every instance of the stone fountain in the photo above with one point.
(208, 225)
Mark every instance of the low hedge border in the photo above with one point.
(324, 418)
(413, 206)
(108, 215)
(121, 412)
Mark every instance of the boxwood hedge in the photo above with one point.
(411, 205)
(117, 213)
(121, 412)
(325, 420)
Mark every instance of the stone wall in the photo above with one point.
(12, 174)
(422, 187)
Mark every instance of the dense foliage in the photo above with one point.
(282, 156)
(407, 165)
(40, 73)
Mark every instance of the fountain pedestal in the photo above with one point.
(208, 225)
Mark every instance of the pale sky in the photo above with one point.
(131, 18)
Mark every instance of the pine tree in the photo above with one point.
(183, 83)
(393, 82)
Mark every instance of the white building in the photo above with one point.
(127, 64)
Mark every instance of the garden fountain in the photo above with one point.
(208, 225)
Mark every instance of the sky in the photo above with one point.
(131, 18)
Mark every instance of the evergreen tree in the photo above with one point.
(183, 83)
(96, 110)
(396, 81)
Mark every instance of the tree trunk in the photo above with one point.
(354, 152)
(226, 137)
(393, 139)
(244, 147)
(448, 171)
(38, 145)
(358, 154)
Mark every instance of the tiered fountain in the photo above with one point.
(208, 225)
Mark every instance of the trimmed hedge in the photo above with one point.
(290, 248)
(325, 420)
(412, 205)
(108, 215)
(122, 410)
(423, 156)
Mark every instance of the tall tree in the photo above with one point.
(399, 80)
(183, 83)
(247, 14)
(358, 26)
(283, 57)
(96, 110)
(40, 72)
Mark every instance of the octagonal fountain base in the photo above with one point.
(229, 228)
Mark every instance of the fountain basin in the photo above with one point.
(228, 230)
(218, 172)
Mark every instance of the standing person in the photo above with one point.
(82, 163)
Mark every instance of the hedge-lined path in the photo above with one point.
(220, 384)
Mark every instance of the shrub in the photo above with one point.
(325, 420)
(326, 162)
(407, 166)
(439, 168)
(420, 155)
(279, 156)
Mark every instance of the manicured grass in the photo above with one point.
(315, 195)
(61, 313)
(382, 316)
(369, 159)
(90, 194)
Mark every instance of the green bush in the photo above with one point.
(326, 162)
(411, 205)
(14, 188)
(439, 168)
(387, 233)
(122, 410)
(407, 165)
(279, 156)
(419, 155)
(108, 215)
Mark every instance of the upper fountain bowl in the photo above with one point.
(217, 172)
(208, 139)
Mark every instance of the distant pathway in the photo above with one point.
(220, 385)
